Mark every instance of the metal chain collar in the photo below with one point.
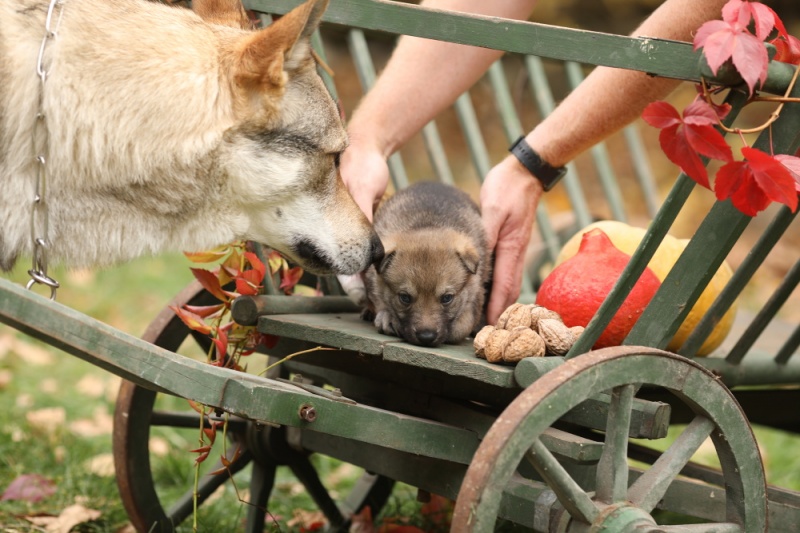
(39, 213)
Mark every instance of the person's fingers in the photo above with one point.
(366, 176)
(506, 280)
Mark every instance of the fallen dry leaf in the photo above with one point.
(91, 385)
(29, 488)
(48, 386)
(307, 520)
(5, 378)
(101, 465)
(47, 420)
(69, 518)
(158, 446)
(31, 353)
(101, 423)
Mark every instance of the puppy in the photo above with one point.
(430, 287)
(171, 129)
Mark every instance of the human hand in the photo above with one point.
(365, 174)
(509, 197)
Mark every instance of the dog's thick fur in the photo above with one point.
(174, 130)
(430, 287)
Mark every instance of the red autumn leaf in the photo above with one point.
(685, 138)
(730, 39)
(210, 282)
(661, 115)
(221, 342)
(256, 263)
(192, 321)
(755, 182)
(211, 433)
(196, 406)
(245, 287)
(208, 256)
(787, 49)
(792, 164)
(29, 488)
(204, 311)
(289, 278)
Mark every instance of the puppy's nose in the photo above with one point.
(426, 336)
(376, 249)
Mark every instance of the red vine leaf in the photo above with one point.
(210, 282)
(256, 263)
(685, 138)
(204, 311)
(755, 182)
(787, 49)
(290, 278)
(208, 256)
(221, 342)
(792, 164)
(730, 39)
(192, 321)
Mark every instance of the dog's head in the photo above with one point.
(431, 283)
(281, 156)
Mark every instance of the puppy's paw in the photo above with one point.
(354, 288)
(368, 315)
(384, 323)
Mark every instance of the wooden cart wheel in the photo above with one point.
(615, 505)
(264, 448)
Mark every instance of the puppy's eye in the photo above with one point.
(404, 298)
(446, 299)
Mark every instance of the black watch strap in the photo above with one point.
(541, 169)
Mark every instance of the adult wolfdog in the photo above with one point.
(166, 128)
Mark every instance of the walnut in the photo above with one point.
(523, 342)
(577, 331)
(519, 317)
(502, 321)
(495, 345)
(480, 340)
(557, 337)
(538, 313)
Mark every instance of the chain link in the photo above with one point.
(40, 223)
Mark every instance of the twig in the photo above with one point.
(293, 355)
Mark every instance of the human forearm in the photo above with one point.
(611, 98)
(425, 76)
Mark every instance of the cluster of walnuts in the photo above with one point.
(525, 331)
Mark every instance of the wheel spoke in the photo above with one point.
(693, 528)
(612, 469)
(261, 482)
(307, 474)
(648, 490)
(570, 494)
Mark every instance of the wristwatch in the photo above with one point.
(547, 174)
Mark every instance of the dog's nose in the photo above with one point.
(426, 336)
(376, 249)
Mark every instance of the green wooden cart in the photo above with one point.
(552, 444)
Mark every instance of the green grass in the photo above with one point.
(128, 297)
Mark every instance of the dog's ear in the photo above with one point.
(223, 12)
(469, 257)
(265, 56)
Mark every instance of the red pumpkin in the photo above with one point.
(576, 288)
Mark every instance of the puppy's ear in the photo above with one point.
(265, 56)
(469, 257)
(223, 12)
(390, 252)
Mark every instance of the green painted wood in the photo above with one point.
(472, 134)
(242, 394)
(344, 331)
(545, 103)
(738, 281)
(451, 361)
(246, 310)
(641, 257)
(710, 245)
(658, 57)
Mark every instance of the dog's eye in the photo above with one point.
(404, 298)
(336, 159)
(446, 299)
